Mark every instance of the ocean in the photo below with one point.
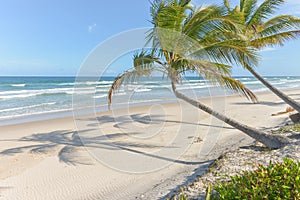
(36, 98)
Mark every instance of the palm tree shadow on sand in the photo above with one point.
(265, 103)
(69, 148)
(144, 119)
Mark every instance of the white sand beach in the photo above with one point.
(137, 153)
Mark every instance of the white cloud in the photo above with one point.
(92, 27)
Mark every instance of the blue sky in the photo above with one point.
(54, 37)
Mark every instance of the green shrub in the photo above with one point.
(275, 181)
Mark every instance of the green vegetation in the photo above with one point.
(276, 181)
(292, 128)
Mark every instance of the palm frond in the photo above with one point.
(127, 76)
(143, 59)
(247, 7)
(236, 85)
(144, 65)
(197, 18)
(266, 9)
(275, 40)
(170, 17)
(156, 6)
(228, 82)
(190, 64)
(206, 20)
(234, 51)
(167, 16)
(226, 4)
(278, 24)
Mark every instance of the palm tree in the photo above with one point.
(260, 30)
(184, 39)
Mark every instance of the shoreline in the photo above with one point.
(152, 133)
(70, 113)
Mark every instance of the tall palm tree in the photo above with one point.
(184, 39)
(262, 29)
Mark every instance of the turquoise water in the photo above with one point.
(21, 97)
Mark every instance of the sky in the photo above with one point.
(54, 37)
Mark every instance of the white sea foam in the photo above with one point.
(88, 91)
(91, 83)
(197, 81)
(16, 96)
(35, 113)
(153, 82)
(292, 81)
(158, 86)
(31, 93)
(102, 90)
(18, 85)
(192, 87)
(100, 96)
(243, 79)
(41, 91)
(251, 82)
(27, 107)
(106, 82)
(142, 90)
(63, 84)
(120, 93)
(97, 82)
(87, 83)
(102, 86)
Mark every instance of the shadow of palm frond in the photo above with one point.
(70, 148)
(47, 143)
(266, 103)
(143, 119)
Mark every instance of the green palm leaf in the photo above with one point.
(266, 9)
(229, 82)
(128, 76)
(232, 51)
(274, 40)
(278, 24)
(227, 5)
(247, 7)
(186, 64)
(144, 66)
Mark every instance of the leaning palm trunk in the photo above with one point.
(271, 141)
(280, 94)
